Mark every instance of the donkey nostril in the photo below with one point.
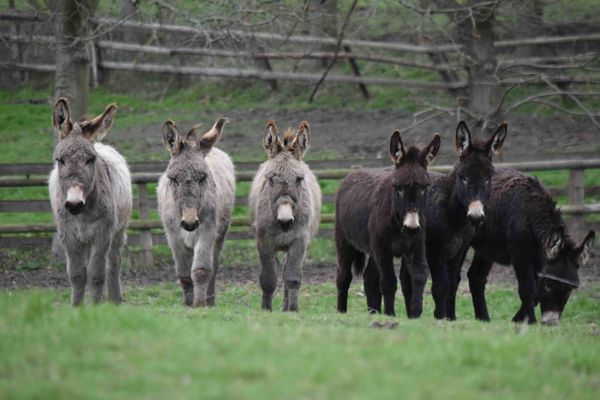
(190, 226)
(74, 207)
(285, 224)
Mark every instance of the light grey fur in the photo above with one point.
(200, 179)
(284, 177)
(93, 238)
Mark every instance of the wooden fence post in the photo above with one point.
(576, 197)
(145, 234)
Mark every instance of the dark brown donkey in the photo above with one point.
(455, 209)
(524, 228)
(380, 214)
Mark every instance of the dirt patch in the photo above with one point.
(163, 271)
(355, 134)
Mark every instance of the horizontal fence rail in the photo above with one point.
(371, 51)
(149, 231)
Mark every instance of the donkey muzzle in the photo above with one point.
(411, 221)
(475, 212)
(550, 318)
(75, 200)
(189, 219)
(285, 215)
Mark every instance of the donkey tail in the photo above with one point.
(359, 263)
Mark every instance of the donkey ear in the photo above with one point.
(555, 242)
(271, 142)
(494, 145)
(429, 153)
(584, 249)
(208, 140)
(397, 152)
(171, 138)
(463, 138)
(97, 128)
(299, 146)
(61, 118)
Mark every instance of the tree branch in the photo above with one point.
(338, 47)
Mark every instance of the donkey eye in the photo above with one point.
(299, 179)
(422, 192)
(464, 180)
(202, 177)
(60, 161)
(174, 181)
(401, 192)
(90, 160)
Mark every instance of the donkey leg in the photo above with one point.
(417, 268)
(454, 269)
(406, 286)
(113, 268)
(97, 268)
(202, 268)
(183, 266)
(439, 287)
(478, 273)
(210, 294)
(292, 273)
(346, 254)
(76, 269)
(268, 274)
(371, 286)
(527, 292)
(387, 278)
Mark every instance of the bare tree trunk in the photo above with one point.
(481, 63)
(322, 20)
(72, 59)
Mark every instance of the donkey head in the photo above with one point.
(190, 179)
(474, 169)
(560, 276)
(75, 155)
(285, 174)
(410, 179)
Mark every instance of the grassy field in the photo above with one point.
(152, 347)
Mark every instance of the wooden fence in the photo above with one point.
(147, 232)
(395, 53)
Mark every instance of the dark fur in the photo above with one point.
(449, 228)
(521, 227)
(369, 220)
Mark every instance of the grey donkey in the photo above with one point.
(90, 194)
(195, 200)
(285, 205)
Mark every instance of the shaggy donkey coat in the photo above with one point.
(454, 210)
(195, 200)
(90, 194)
(524, 228)
(285, 205)
(380, 214)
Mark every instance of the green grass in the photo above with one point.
(153, 347)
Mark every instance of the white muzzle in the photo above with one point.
(75, 195)
(550, 318)
(411, 220)
(285, 213)
(475, 210)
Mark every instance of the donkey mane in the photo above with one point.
(542, 212)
